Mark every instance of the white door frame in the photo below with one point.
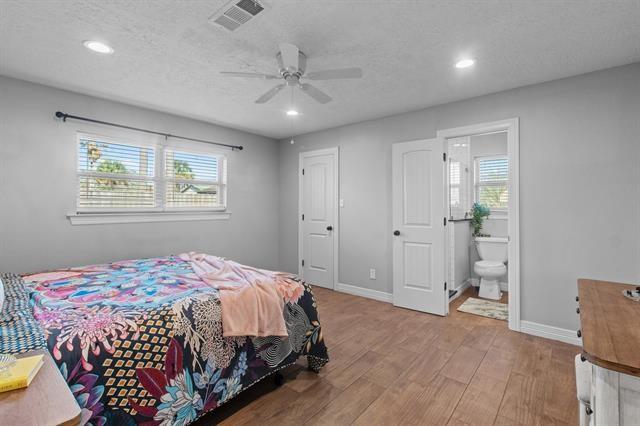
(511, 126)
(336, 227)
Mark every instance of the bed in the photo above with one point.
(141, 341)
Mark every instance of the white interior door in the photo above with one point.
(319, 216)
(418, 226)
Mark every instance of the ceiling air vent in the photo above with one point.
(236, 13)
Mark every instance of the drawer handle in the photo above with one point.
(577, 310)
(577, 299)
(579, 333)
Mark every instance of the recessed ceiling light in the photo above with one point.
(98, 47)
(465, 63)
(292, 113)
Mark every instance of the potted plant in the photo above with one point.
(478, 213)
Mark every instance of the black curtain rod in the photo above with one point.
(65, 116)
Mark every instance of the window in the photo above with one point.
(492, 182)
(459, 156)
(118, 176)
(454, 183)
(193, 180)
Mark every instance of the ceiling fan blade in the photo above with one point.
(315, 93)
(250, 75)
(270, 94)
(335, 74)
(290, 56)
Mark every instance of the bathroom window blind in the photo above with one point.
(454, 183)
(194, 180)
(492, 182)
(114, 175)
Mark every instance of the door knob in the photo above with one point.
(396, 233)
(329, 228)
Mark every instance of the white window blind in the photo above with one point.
(492, 182)
(454, 183)
(114, 176)
(194, 180)
(118, 176)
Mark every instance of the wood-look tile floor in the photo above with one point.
(396, 366)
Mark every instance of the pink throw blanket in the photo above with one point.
(252, 299)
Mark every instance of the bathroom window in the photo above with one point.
(492, 182)
(459, 157)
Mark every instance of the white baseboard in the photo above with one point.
(365, 292)
(461, 290)
(550, 332)
(528, 327)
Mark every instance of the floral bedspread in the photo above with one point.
(140, 341)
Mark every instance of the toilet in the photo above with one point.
(493, 255)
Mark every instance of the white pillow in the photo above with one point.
(1, 294)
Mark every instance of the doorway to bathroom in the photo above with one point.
(481, 236)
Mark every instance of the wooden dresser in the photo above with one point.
(610, 331)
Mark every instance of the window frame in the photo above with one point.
(159, 179)
(221, 183)
(500, 213)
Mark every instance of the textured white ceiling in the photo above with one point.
(167, 55)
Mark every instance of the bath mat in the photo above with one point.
(485, 308)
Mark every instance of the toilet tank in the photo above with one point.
(492, 248)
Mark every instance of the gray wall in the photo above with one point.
(580, 185)
(37, 188)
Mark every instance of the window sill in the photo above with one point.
(109, 218)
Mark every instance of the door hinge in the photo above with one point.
(303, 216)
(444, 156)
(302, 262)
(445, 221)
(445, 286)
(303, 171)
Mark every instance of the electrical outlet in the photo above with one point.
(372, 274)
(341, 202)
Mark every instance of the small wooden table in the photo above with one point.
(46, 402)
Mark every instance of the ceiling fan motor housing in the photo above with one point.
(292, 74)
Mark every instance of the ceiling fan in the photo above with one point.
(293, 64)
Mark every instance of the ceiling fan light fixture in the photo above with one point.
(98, 47)
(292, 113)
(465, 63)
(292, 69)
